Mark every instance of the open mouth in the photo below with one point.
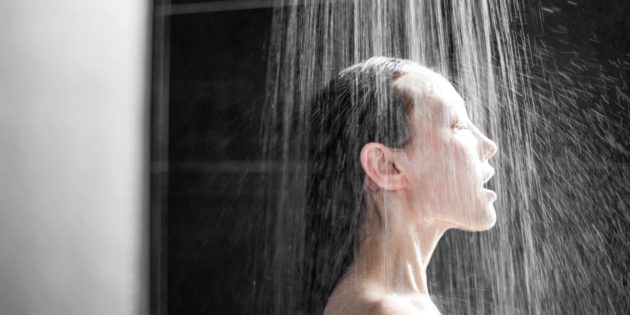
(488, 190)
(487, 186)
(487, 176)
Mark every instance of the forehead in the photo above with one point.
(428, 88)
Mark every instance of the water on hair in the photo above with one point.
(562, 205)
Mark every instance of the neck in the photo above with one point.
(396, 248)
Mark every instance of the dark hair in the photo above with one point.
(359, 106)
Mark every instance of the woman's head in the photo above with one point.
(391, 128)
(439, 175)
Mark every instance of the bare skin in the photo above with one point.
(415, 195)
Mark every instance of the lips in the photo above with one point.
(491, 194)
(488, 175)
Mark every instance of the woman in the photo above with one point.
(394, 162)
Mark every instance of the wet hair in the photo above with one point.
(359, 106)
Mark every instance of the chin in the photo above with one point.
(488, 220)
(482, 222)
(487, 215)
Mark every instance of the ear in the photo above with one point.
(380, 166)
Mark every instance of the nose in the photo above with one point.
(489, 147)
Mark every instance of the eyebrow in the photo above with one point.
(453, 109)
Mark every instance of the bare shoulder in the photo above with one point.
(402, 305)
(352, 299)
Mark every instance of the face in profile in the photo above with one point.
(447, 160)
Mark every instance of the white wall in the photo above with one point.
(72, 145)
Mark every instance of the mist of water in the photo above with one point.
(559, 244)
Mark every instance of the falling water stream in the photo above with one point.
(559, 245)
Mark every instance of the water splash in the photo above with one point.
(562, 172)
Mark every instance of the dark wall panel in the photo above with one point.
(217, 71)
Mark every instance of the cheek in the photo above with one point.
(465, 160)
(462, 175)
(445, 171)
(437, 172)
